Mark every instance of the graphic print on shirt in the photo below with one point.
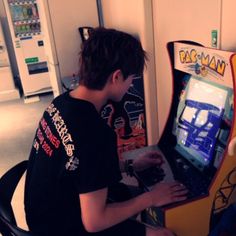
(53, 142)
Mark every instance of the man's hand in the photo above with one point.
(147, 160)
(166, 193)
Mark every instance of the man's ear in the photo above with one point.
(116, 76)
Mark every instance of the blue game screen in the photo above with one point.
(203, 109)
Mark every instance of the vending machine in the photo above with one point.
(7, 86)
(28, 43)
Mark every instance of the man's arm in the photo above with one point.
(98, 215)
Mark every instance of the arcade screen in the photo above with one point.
(202, 122)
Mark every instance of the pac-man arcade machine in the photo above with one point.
(199, 139)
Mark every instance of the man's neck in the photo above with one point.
(97, 97)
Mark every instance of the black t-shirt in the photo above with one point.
(74, 151)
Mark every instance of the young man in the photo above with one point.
(73, 164)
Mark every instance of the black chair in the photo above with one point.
(8, 184)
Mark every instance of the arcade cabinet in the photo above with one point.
(198, 142)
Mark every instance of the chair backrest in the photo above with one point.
(8, 184)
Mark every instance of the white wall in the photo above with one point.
(179, 20)
(135, 17)
(66, 18)
(228, 29)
